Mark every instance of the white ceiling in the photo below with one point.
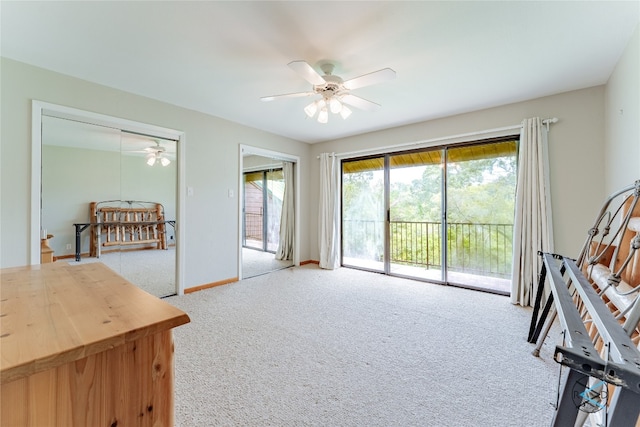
(220, 57)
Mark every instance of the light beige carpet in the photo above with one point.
(153, 270)
(255, 263)
(310, 347)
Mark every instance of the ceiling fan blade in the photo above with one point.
(307, 72)
(136, 151)
(370, 79)
(286, 95)
(361, 103)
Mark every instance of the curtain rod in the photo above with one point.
(546, 122)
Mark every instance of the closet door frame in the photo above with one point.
(40, 108)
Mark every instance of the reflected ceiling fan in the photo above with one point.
(335, 93)
(155, 154)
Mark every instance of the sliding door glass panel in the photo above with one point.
(80, 165)
(253, 210)
(263, 197)
(84, 163)
(148, 198)
(415, 214)
(274, 198)
(263, 202)
(481, 185)
(363, 213)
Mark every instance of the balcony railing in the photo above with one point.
(253, 226)
(475, 248)
(254, 235)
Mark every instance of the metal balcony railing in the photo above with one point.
(253, 226)
(475, 248)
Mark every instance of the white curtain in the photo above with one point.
(533, 229)
(287, 217)
(329, 215)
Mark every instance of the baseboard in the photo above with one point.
(210, 285)
(309, 261)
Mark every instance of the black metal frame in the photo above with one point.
(622, 366)
(80, 227)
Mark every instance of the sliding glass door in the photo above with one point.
(441, 215)
(363, 213)
(415, 215)
(481, 186)
(263, 195)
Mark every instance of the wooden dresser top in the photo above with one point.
(52, 314)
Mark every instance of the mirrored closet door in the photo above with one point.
(127, 183)
(268, 215)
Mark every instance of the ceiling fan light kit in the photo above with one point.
(334, 92)
(157, 156)
(310, 110)
(345, 112)
(323, 115)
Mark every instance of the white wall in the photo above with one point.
(622, 138)
(71, 178)
(211, 224)
(575, 149)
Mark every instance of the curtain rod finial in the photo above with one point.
(549, 121)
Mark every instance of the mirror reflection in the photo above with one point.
(268, 219)
(117, 192)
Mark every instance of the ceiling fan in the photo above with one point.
(335, 93)
(156, 153)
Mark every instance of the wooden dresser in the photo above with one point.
(81, 346)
